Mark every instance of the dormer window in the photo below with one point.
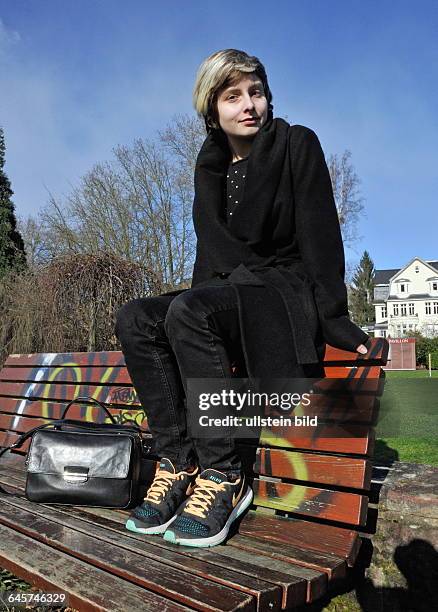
(402, 285)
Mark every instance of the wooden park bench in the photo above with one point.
(296, 543)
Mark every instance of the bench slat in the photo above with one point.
(355, 409)
(325, 469)
(317, 581)
(54, 410)
(65, 391)
(106, 358)
(345, 439)
(334, 567)
(348, 508)
(377, 352)
(327, 539)
(113, 375)
(89, 588)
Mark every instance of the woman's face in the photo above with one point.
(242, 108)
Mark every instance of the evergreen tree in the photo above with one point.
(361, 293)
(12, 253)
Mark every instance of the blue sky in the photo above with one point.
(77, 78)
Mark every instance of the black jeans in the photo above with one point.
(167, 339)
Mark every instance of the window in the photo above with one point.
(411, 308)
(403, 310)
(395, 309)
(384, 312)
(435, 308)
(402, 288)
(417, 269)
(434, 286)
(428, 307)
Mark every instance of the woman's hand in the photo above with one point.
(362, 349)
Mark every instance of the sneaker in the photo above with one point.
(206, 517)
(167, 492)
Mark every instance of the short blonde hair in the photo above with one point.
(220, 70)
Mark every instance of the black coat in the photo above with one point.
(282, 251)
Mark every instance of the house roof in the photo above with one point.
(382, 277)
(411, 296)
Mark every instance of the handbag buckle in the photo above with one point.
(75, 473)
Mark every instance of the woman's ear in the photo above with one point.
(270, 111)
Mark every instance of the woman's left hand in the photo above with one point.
(362, 349)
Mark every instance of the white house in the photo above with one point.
(406, 300)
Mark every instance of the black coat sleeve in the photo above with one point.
(201, 268)
(319, 239)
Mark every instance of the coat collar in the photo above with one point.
(265, 164)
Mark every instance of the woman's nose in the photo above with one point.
(248, 102)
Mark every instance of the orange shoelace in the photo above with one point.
(161, 484)
(203, 496)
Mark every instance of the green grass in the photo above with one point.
(423, 374)
(412, 450)
(408, 428)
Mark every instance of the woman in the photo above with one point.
(267, 293)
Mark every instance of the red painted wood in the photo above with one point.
(114, 375)
(327, 539)
(344, 409)
(352, 372)
(69, 391)
(332, 470)
(54, 410)
(311, 501)
(345, 439)
(377, 353)
(104, 358)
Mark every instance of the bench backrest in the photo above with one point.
(321, 473)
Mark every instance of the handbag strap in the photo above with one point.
(87, 398)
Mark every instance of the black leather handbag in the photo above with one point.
(81, 463)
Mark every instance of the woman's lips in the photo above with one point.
(249, 120)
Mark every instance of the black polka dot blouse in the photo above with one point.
(235, 185)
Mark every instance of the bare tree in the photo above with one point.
(345, 183)
(184, 136)
(137, 206)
